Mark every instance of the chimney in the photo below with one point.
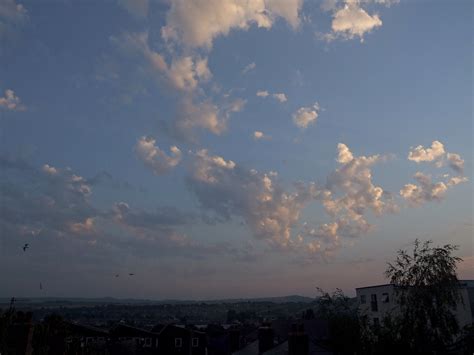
(265, 338)
(298, 342)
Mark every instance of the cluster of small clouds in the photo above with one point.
(54, 205)
(347, 197)
(437, 155)
(277, 96)
(272, 213)
(188, 34)
(306, 116)
(350, 20)
(426, 190)
(57, 201)
(11, 102)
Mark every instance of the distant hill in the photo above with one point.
(78, 301)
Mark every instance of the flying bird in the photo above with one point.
(117, 275)
(26, 246)
(131, 274)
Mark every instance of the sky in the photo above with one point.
(228, 148)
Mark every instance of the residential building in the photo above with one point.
(375, 302)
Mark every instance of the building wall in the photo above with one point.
(463, 310)
(382, 294)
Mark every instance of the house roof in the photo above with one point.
(86, 330)
(382, 285)
(122, 330)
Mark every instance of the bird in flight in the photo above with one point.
(131, 274)
(26, 246)
(117, 275)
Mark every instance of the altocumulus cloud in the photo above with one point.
(426, 190)
(155, 158)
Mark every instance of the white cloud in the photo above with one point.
(350, 20)
(438, 155)
(258, 135)
(197, 23)
(280, 97)
(137, 8)
(305, 116)
(354, 179)
(277, 96)
(420, 154)
(249, 67)
(425, 191)
(11, 102)
(156, 159)
(456, 180)
(51, 170)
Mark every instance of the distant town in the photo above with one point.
(294, 325)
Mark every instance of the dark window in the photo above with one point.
(148, 342)
(363, 299)
(373, 303)
(195, 342)
(178, 342)
(385, 298)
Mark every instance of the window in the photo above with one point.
(363, 299)
(178, 342)
(195, 342)
(385, 298)
(148, 342)
(373, 303)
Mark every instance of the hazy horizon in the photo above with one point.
(222, 149)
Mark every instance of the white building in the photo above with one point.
(377, 301)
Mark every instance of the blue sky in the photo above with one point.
(228, 148)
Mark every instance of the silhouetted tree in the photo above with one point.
(427, 292)
(342, 316)
(49, 336)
